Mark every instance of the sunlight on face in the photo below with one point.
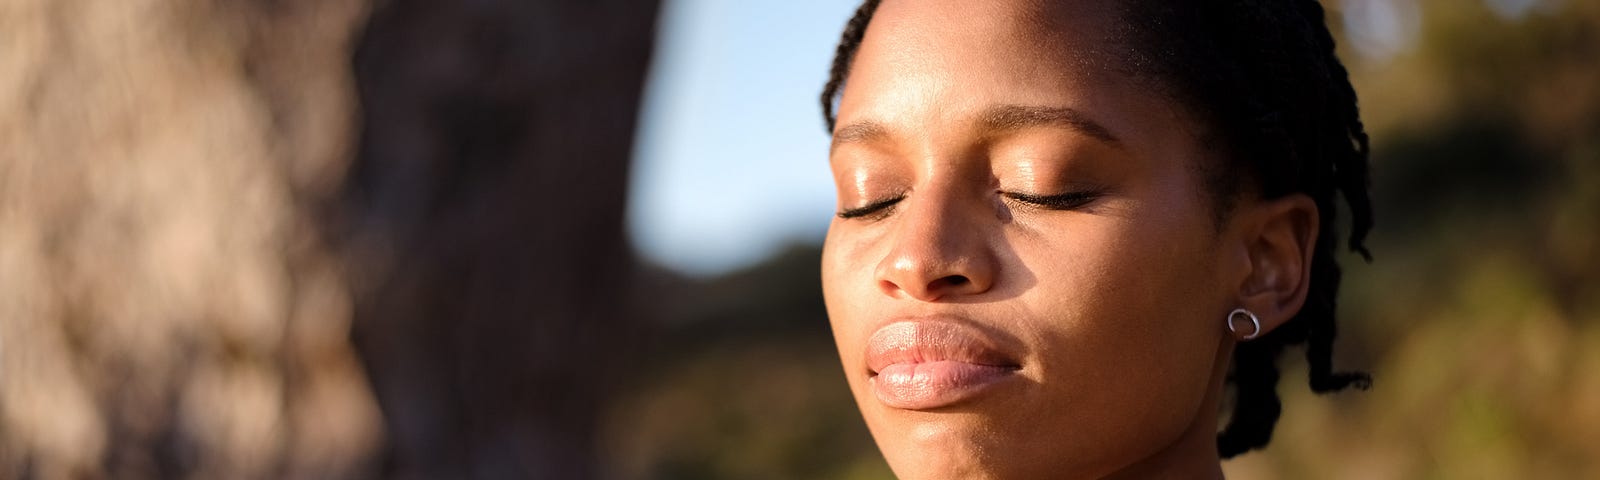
(1023, 279)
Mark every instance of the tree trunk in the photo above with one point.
(487, 203)
(169, 304)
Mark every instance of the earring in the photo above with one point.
(1253, 321)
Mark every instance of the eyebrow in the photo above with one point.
(995, 119)
(1003, 118)
(864, 131)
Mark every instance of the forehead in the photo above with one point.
(941, 58)
(927, 70)
(1016, 24)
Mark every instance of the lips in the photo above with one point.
(934, 363)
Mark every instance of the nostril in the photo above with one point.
(952, 281)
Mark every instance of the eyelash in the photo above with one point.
(880, 208)
(1060, 201)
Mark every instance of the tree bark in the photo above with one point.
(170, 306)
(487, 203)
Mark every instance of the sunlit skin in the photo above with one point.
(1005, 182)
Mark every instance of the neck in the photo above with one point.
(1194, 453)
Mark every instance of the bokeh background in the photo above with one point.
(538, 239)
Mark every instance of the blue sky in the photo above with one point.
(731, 159)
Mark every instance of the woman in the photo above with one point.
(1066, 226)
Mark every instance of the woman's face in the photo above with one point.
(1030, 282)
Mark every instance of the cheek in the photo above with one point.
(844, 287)
(847, 292)
(834, 281)
(1127, 352)
(1139, 292)
(841, 260)
(1129, 286)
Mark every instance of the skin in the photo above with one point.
(1115, 308)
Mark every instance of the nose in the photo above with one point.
(941, 249)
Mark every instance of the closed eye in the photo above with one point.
(1060, 201)
(875, 207)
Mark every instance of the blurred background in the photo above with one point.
(535, 239)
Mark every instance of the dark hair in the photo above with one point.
(1263, 76)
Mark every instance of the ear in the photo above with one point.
(1279, 237)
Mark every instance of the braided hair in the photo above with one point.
(1262, 75)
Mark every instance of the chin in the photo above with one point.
(981, 440)
(940, 449)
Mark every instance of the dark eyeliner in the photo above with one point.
(1061, 201)
(870, 208)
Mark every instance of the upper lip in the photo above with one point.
(929, 339)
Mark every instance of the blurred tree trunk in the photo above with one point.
(170, 306)
(488, 204)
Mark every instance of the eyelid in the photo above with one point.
(871, 208)
(1060, 201)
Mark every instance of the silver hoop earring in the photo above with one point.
(1253, 321)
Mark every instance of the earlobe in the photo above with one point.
(1279, 241)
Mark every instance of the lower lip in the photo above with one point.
(929, 385)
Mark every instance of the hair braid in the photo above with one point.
(1342, 148)
(1350, 171)
(1349, 159)
(849, 42)
(1256, 404)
